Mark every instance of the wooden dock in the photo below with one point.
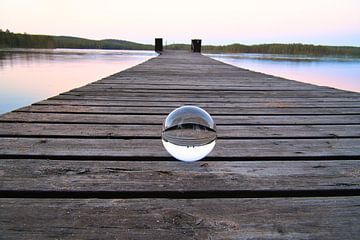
(89, 163)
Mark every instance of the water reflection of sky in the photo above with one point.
(337, 72)
(27, 76)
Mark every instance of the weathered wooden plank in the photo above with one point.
(145, 176)
(122, 148)
(158, 119)
(201, 80)
(241, 76)
(153, 83)
(236, 95)
(185, 88)
(267, 218)
(154, 131)
(120, 89)
(280, 110)
(207, 100)
(175, 104)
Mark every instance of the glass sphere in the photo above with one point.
(189, 133)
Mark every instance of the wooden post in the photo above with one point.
(158, 45)
(196, 45)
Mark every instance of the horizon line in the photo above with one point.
(210, 44)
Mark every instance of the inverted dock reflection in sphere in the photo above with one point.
(189, 133)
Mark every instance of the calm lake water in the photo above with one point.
(338, 72)
(30, 75)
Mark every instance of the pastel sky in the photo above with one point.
(330, 22)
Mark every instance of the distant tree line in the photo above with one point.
(73, 42)
(18, 40)
(296, 48)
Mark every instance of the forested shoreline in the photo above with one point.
(19, 40)
(276, 48)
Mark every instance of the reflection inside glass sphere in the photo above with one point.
(189, 133)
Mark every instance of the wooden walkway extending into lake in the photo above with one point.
(89, 163)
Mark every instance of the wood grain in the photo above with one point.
(249, 104)
(158, 119)
(281, 110)
(225, 148)
(248, 177)
(253, 218)
(154, 131)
